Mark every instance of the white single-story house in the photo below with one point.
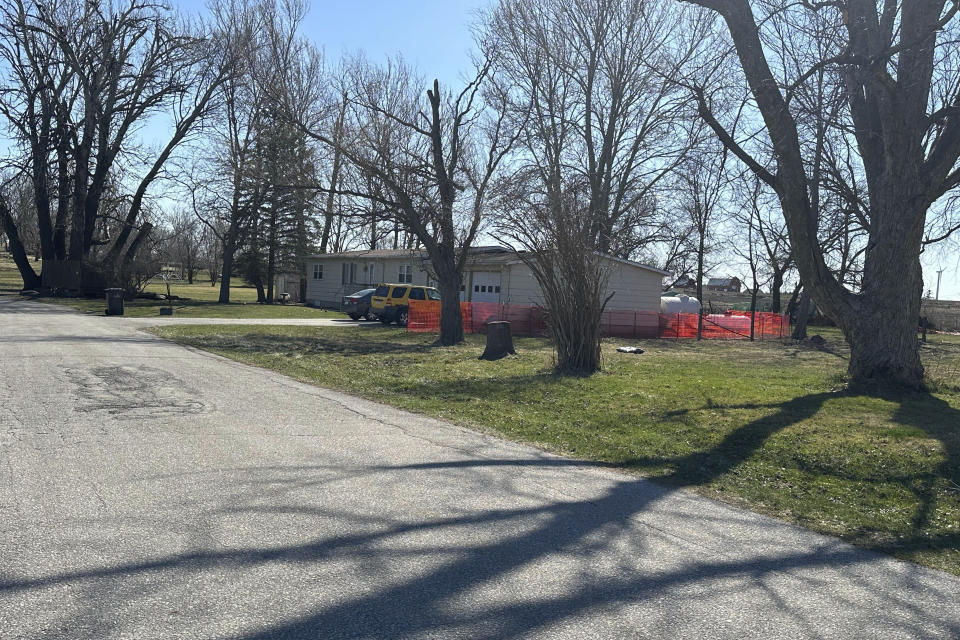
(492, 274)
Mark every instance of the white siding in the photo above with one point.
(325, 292)
(329, 291)
(633, 288)
(518, 286)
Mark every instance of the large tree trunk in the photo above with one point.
(229, 248)
(451, 319)
(271, 256)
(882, 331)
(30, 278)
(794, 297)
(803, 317)
(135, 245)
(328, 213)
(42, 202)
(775, 287)
(700, 256)
(884, 346)
(908, 161)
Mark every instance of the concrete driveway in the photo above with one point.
(151, 491)
(296, 322)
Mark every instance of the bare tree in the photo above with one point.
(337, 133)
(892, 67)
(229, 188)
(426, 158)
(18, 223)
(211, 253)
(769, 252)
(594, 77)
(677, 251)
(701, 183)
(586, 84)
(749, 251)
(555, 230)
(80, 78)
(16, 246)
(185, 243)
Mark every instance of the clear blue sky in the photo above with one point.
(434, 35)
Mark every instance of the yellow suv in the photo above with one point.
(390, 302)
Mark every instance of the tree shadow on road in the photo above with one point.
(469, 572)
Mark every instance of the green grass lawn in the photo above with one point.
(765, 425)
(10, 280)
(202, 301)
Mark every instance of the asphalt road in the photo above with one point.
(151, 491)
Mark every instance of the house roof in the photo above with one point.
(368, 253)
(484, 255)
(631, 263)
(403, 253)
(720, 282)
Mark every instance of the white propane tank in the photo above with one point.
(679, 304)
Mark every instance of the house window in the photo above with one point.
(476, 288)
(348, 273)
(371, 269)
(497, 288)
(406, 273)
(318, 271)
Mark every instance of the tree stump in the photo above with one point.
(499, 341)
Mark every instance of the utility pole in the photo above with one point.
(938, 283)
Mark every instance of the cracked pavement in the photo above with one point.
(153, 491)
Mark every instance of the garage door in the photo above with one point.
(486, 286)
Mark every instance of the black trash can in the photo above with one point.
(114, 302)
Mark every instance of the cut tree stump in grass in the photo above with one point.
(499, 341)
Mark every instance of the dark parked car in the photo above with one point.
(357, 305)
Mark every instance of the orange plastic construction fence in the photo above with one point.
(530, 320)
